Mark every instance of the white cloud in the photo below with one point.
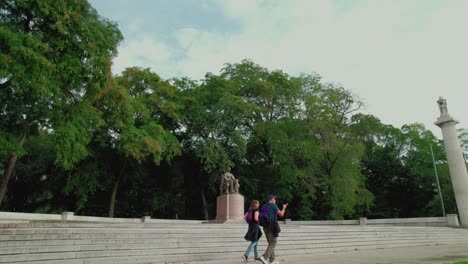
(399, 56)
(145, 52)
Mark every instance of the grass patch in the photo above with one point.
(461, 262)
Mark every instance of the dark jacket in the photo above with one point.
(274, 228)
(253, 233)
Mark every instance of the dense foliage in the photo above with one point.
(76, 138)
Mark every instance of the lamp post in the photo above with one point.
(437, 182)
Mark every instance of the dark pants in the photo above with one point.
(270, 251)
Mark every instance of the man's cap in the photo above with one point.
(271, 196)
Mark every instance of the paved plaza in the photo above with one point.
(411, 255)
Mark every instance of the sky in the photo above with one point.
(398, 56)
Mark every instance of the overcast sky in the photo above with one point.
(398, 56)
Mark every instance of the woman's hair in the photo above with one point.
(253, 203)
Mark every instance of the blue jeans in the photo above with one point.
(254, 245)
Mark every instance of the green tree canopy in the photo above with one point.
(136, 144)
(55, 59)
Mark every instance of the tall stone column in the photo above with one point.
(456, 162)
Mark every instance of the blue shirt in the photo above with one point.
(273, 212)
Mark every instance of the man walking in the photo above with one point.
(270, 213)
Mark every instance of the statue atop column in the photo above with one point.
(229, 184)
(442, 106)
(456, 162)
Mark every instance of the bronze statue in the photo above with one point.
(229, 184)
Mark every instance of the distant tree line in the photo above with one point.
(76, 138)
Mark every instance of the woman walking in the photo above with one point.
(253, 233)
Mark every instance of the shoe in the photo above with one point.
(244, 258)
(263, 260)
(257, 259)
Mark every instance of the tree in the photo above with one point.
(434, 206)
(279, 152)
(135, 144)
(36, 184)
(136, 109)
(285, 150)
(380, 161)
(341, 189)
(212, 133)
(398, 167)
(463, 137)
(55, 59)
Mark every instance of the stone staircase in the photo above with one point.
(186, 242)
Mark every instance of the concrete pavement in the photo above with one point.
(410, 255)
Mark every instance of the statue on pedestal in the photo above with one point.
(229, 184)
(230, 203)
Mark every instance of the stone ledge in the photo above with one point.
(451, 220)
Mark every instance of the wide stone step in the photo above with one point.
(206, 247)
(152, 256)
(208, 237)
(190, 234)
(162, 242)
(71, 225)
(225, 235)
(190, 230)
(145, 238)
(218, 228)
(214, 241)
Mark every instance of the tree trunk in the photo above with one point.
(11, 166)
(114, 190)
(114, 194)
(205, 206)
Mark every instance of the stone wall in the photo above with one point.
(10, 217)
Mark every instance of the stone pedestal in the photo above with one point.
(363, 221)
(456, 162)
(67, 216)
(452, 220)
(230, 208)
